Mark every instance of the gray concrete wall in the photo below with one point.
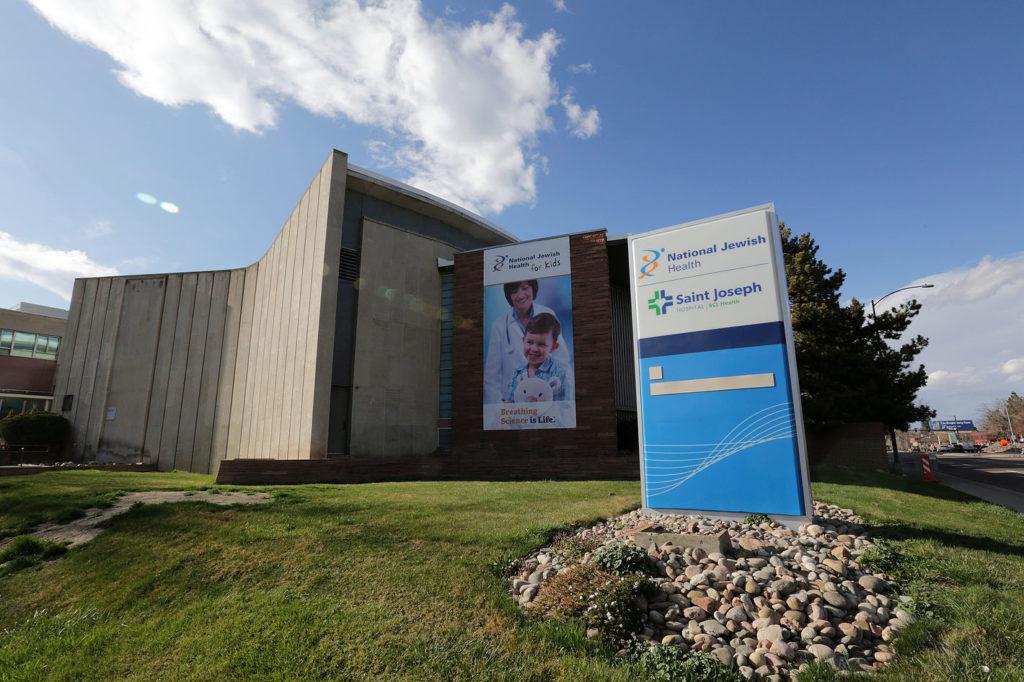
(397, 347)
(187, 369)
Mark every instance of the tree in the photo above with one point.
(848, 370)
(994, 416)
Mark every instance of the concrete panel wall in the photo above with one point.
(201, 367)
(395, 392)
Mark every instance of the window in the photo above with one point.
(24, 343)
(28, 345)
(447, 329)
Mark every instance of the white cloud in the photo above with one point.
(974, 320)
(583, 123)
(559, 5)
(99, 228)
(462, 104)
(52, 269)
(584, 68)
(1014, 369)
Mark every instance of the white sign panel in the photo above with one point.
(718, 400)
(526, 260)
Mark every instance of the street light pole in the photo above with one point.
(874, 317)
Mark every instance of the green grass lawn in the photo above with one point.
(392, 581)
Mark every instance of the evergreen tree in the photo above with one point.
(848, 372)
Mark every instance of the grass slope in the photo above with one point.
(59, 497)
(392, 580)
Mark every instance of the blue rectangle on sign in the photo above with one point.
(711, 446)
(763, 334)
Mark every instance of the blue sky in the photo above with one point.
(891, 131)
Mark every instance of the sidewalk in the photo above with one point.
(984, 491)
(910, 464)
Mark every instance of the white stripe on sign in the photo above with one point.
(732, 383)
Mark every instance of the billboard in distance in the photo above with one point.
(953, 425)
(529, 377)
(719, 409)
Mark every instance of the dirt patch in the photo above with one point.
(82, 530)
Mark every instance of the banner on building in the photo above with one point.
(529, 379)
(720, 424)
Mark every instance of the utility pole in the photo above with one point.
(1009, 423)
(874, 318)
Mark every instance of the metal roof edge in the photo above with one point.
(398, 186)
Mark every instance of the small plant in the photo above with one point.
(885, 557)
(571, 547)
(671, 664)
(756, 519)
(506, 566)
(28, 550)
(621, 558)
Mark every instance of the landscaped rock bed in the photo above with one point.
(769, 604)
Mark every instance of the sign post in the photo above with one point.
(720, 422)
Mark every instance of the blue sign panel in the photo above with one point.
(720, 423)
(953, 425)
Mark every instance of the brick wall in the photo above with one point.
(30, 375)
(558, 452)
(589, 451)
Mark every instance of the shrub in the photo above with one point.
(670, 664)
(565, 596)
(614, 610)
(622, 558)
(597, 599)
(756, 519)
(36, 428)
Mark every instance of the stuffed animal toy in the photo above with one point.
(536, 390)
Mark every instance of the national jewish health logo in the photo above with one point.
(649, 262)
(659, 303)
(499, 263)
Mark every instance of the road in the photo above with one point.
(996, 478)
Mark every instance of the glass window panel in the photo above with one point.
(41, 343)
(23, 344)
(53, 345)
(6, 339)
(12, 406)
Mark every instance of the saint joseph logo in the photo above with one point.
(659, 303)
(649, 262)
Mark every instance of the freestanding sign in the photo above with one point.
(721, 428)
(528, 350)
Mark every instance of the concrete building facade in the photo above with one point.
(328, 345)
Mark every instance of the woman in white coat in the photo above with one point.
(505, 343)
